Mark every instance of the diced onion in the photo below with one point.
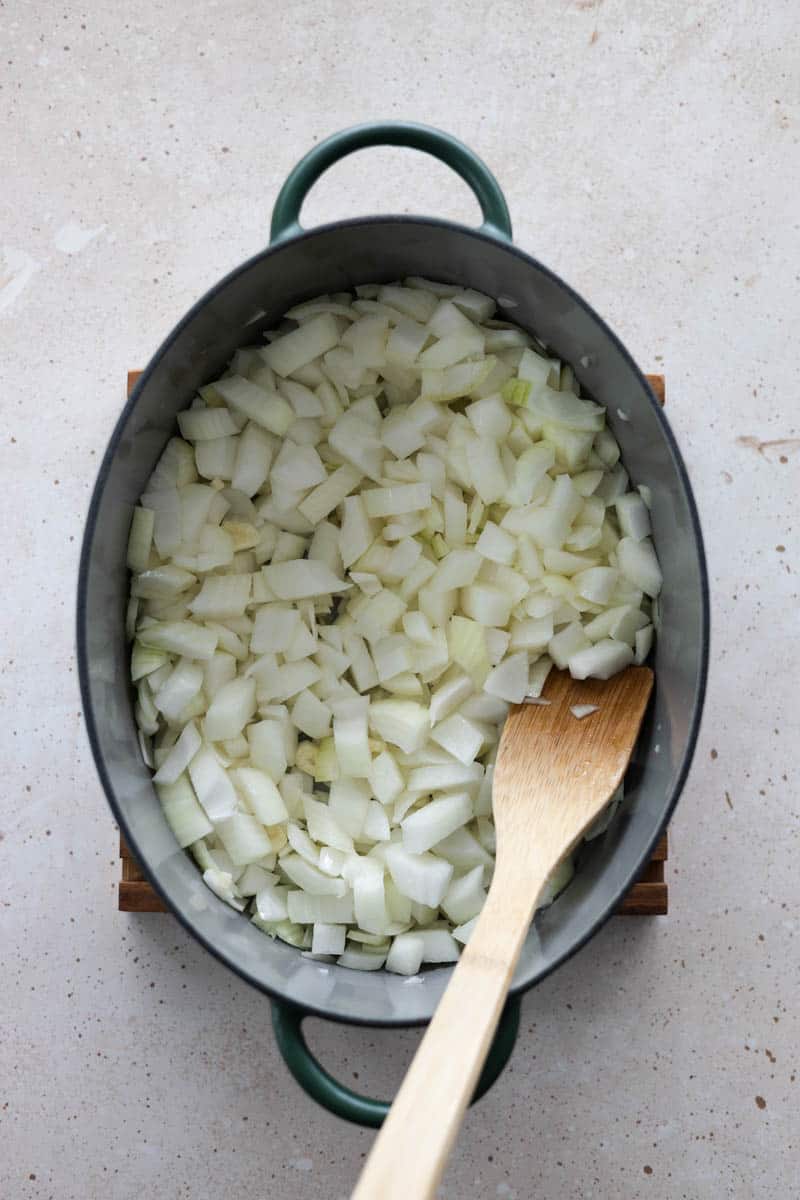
(579, 711)
(376, 532)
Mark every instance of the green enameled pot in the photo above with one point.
(299, 265)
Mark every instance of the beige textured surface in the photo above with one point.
(649, 153)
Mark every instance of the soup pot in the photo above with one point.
(299, 265)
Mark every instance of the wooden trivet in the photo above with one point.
(647, 898)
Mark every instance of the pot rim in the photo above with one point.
(83, 573)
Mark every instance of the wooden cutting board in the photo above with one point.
(647, 898)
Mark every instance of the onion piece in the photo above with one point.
(140, 539)
(385, 778)
(509, 680)
(324, 827)
(436, 821)
(263, 797)
(206, 424)
(643, 643)
(323, 499)
(405, 954)
(222, 885)
(466, 642)
(271, 903)
(178, 759)
(638, 563)
(422, 877)
(185, 817)
(243, 837)
(404, 723)
(350, 737)
(221, 596)
(183, 684)
(212, 786)
(461, 737)
(264, 408)
(303, 345)
(301, 579)
(579, 711)
(328, 939)
(180, 637)
(308, 908)
(602, 660)
(362, 960)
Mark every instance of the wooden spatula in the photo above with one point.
(554, 774)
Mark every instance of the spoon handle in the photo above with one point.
(410, 1153)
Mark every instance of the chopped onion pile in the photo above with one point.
(374, 533)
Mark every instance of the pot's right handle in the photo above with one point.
(457, 156)
(287, 1020)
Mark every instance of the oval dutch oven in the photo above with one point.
(299, 265)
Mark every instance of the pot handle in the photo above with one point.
(457, 156)
(287, 1020)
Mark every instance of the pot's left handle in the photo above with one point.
(449, 150)
(287, 1022)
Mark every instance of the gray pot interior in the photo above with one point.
(251, 299)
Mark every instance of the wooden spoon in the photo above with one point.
(553, 776)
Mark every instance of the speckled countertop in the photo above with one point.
(650, 154)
